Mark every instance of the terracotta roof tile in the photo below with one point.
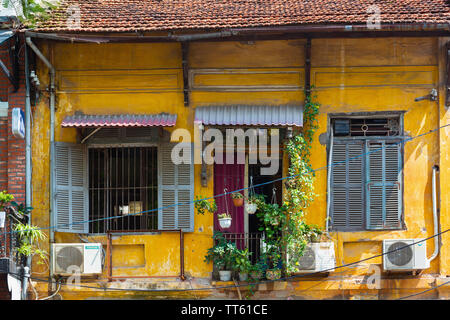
(154, 15)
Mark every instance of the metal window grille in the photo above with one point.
(251, 241)
(366, 127)
(123, 185)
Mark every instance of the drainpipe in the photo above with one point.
(330, 159)
(52, 140)
(435, 215)
(28, 196)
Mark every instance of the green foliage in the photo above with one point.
(30, 12)
(242, 261)
(202, 205)
(29, 237)
(236, 195)
(300, 188)
(223, 216)
(5, 198)
(284, 227)
(256, 198)
(222, 254)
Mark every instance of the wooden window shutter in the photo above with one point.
(175, 191)
(347, 184)
(384, 200)
(71, 193)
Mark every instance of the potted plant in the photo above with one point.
(242, 263)
(252, 203)
(224, 220)
(273, 255)
(202, 205)
(238, 199)
(257, 270)
(222, 255)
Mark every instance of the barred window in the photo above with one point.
(123, 182)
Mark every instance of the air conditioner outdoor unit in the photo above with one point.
(317, 257)
(412, 256)
(83, 258)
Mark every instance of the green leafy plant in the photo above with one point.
(222, 253)
(224, 216)
(242, 261)
(29, 237)
(271, 217)
(4, 199)
(202, 205)
(236, 195)
(300, 192)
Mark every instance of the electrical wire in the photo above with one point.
(422, 292)
(245, 188)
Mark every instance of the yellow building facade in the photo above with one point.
(350, 78)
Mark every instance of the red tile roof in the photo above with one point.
(153, 15)
(122, 120)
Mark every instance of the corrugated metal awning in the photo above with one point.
(121, 120)
(250, 115)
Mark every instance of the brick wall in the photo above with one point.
(12, 150)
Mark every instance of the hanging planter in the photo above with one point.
(251, 207)
(238, 199)
(224, 220)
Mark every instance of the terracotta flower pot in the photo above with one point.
(238, 202)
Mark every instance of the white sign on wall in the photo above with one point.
(18, 123)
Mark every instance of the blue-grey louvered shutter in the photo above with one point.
(175, 191)
(384, 191)
(70, 203)
(347, 186)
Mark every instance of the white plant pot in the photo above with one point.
(251, 208)
(225, 275)
(225, 223)
(243, 276)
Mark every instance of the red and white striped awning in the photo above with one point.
(121, 120)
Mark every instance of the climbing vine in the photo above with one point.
(300, 191)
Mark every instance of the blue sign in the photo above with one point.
(18, 123)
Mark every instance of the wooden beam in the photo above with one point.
(308, 66)
(185, 62)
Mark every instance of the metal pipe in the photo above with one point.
(28, 196)
(52, 140)
(330, 159)
(182, 277)
(435, 214)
